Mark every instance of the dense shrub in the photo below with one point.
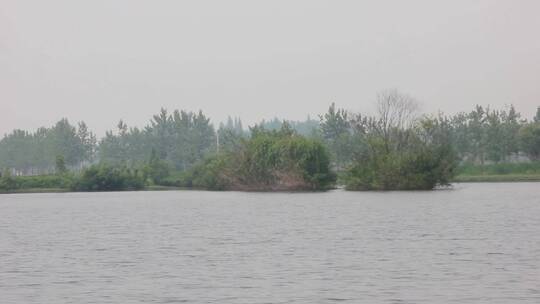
(417, 158)
(107, 178)
(9, 183)
(269, 160)
(43, 181)
(156, 170)
(213, 173)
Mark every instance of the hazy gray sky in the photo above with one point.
(100, 61)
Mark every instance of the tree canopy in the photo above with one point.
(268, 160)
(397, 148)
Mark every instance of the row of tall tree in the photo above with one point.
(479, 136)
(38, 152)
(180, 139)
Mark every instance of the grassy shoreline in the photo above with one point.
(496, 178)
(491, 178)
(502, 172)
(36, 190)
(65, 190)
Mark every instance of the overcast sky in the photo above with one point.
(101, 61)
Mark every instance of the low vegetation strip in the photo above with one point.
(525, 168)
(501, 172)
(497, 178)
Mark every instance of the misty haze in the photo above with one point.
(269, 152)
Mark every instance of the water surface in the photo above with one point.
(477, 243)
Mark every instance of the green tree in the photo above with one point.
(477, 133)
(336, 132)
(334, 123)
(494, 136)
(60, 165)
(7, 182)
(460, 135)
(399, 151)
(156, 169)
(529, 137)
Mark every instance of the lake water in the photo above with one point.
(477, 243)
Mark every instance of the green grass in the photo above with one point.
(530, 168)
(162, 188)
(35, 190)
(503, 172)
(62, 190)
(497, 178)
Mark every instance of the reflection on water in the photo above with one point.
(478, 243)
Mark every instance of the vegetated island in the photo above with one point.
(396, 149)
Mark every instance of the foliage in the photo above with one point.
(307, 128)
(468, 169)
(393, 149)
(43, 182)
(60, 165)
(420, 166)
(486, 135)
(335, 128)
(399, 151)
(7, 182)
(10, 183)
(230, 135)
(269, 160)
(156, 169)
(497, 178)
(36, 153)
(180, 139)
(107, 178)
(211, 174)
(529, 137)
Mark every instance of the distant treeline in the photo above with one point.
(29, 153)
(397, 148)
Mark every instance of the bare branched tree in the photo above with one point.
(397, 113)
(396, 110)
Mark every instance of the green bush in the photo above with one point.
(106, 178)
(210, 174)
(269, 160)
(180, 178)
(7, 182)
(156, 169)
(420, 158)
(43, 181)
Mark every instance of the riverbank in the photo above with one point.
(65, 190)
(494, 178)
(35, 190)
(502, 172)
(507, 178)
(467, 173)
